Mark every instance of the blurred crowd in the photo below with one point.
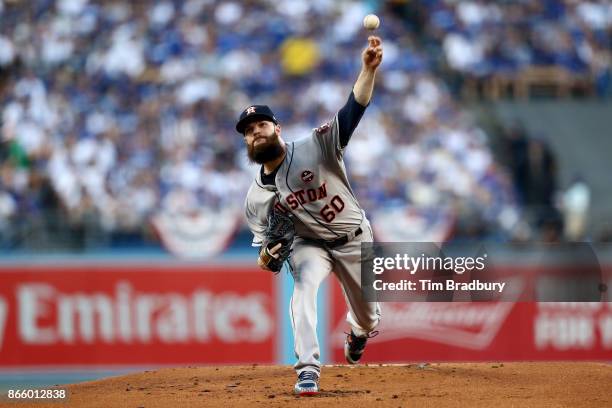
(484, 38)
(113, 111)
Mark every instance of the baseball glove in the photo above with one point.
(281, 231)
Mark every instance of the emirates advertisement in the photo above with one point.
(136, 315)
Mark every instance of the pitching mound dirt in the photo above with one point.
(437, 385)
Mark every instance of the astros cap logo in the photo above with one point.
(250, 110)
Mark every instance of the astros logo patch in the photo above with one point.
(307, 176)
(323, 128)
(250, 110)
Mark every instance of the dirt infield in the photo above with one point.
(436, 385)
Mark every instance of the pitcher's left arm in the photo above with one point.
(351, 113)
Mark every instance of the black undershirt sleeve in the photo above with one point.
(348, 118)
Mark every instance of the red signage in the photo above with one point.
(482, 331)
(136, 315)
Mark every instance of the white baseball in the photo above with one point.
(371, 22)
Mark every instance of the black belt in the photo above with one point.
(339, 241)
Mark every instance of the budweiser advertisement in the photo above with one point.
(136, 315)
(482, 331)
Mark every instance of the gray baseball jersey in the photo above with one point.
(312, 184)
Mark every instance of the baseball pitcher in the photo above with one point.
(301, 208)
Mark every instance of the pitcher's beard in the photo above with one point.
(266, 151)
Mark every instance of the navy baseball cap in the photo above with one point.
(255, 112)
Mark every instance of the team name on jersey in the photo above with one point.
(296, 198)
(328, 212)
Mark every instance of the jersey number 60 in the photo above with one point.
(330, 210)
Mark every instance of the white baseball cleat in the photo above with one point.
(307, 383)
